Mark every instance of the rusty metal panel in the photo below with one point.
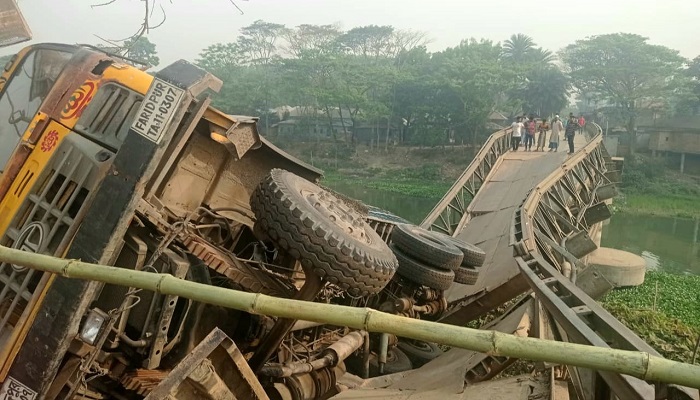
(580, 244)
(593, 283)
(227, 374)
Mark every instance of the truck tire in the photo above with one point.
(425, 246)
(396, 361)
(325, 235)
(473, 256)
(422, 274)
(419, 352)
(466, 275)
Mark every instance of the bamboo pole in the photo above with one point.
(638, 364)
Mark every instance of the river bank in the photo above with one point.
(649, 188)
(656, 204)
(393, 183)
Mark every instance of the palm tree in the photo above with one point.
(541, 56)
(546, 91)
(518, 47)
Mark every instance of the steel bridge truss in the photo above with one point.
(556, 216)
(549, 234)
(452, 212)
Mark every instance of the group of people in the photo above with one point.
(526, 127)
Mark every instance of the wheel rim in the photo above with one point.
(336, 212)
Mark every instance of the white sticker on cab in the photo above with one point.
(157, 110)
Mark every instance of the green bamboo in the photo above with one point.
(638, 364)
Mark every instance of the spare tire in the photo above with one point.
(473, 256)
(323, 233)
(426, 246)
(419, 352)
(396, 361)
(466, 275)
(422, 274)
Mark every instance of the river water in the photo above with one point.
(666, 243)
(670, 244)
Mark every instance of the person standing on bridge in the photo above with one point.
(571, 128)
(530, 128)
(557, 129)
(581, 123)
(541, 138)
(517, 134)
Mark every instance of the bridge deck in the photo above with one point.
(504, 190)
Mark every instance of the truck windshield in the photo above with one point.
(23, 94)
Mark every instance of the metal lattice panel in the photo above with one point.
(452, 212)
(45, 219)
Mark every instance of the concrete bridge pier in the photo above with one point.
(620, 268)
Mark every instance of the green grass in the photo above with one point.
(664, 311)
(655, 204)
(649, 187)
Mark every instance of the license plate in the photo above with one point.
(15, 390)
(157, 110)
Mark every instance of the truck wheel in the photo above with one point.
(419, 352)
(466, 275)
(396, 361)
(325, 235)
(425, 246)
(473, 256)
(422, 274)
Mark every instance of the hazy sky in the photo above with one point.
(192, 25)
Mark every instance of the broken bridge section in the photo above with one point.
(486, 222)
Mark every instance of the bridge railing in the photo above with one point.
(452, 212)
(559, 205)
(549, 235)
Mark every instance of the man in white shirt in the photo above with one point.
(517, 133)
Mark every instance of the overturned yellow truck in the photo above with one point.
(105, 163)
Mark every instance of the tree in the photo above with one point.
(370, 41)
(540, 57)
(221, 57)
(312, 40)
(478, 77)
(141, 49)
(259, 41)
(518, 48)
(546, 91)
(688, 101)
(626, 71)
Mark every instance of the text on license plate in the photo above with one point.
(157, 110)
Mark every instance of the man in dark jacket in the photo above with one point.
(570, 132)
